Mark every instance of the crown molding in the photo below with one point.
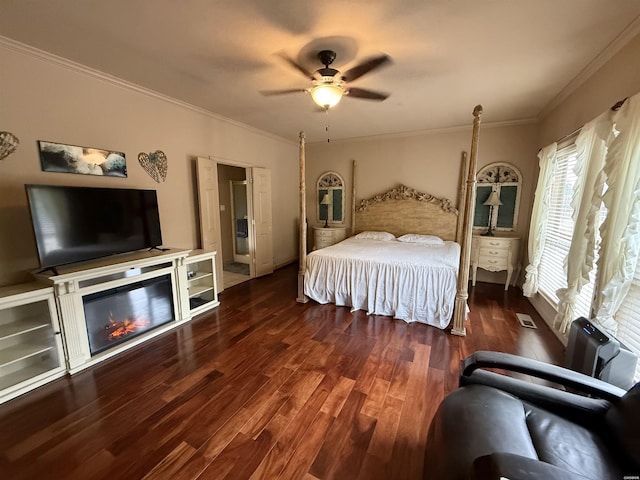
(617, 44)
(76, 67)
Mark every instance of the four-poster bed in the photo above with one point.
(414, 278)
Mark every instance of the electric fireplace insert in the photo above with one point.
(119, 314)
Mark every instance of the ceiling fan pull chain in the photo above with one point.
(326, 128)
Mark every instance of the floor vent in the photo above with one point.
(525, 320)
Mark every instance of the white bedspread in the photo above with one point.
(412, 282)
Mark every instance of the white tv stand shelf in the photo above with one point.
(31, 352)
(202, 288)
(72, 284)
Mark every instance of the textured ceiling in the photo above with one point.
(512, 56)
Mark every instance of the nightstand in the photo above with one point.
(494, 254)
(325, 237)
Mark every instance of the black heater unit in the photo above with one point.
(598, 354)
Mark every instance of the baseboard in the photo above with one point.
(285, 263)
(548, 314)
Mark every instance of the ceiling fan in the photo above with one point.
(328, 85)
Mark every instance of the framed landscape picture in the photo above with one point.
(58, 157)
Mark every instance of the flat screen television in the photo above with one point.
(74, 224)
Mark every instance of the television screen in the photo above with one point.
(73, 224)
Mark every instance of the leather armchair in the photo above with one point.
(496, 425)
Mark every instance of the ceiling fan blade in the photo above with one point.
(296, 65)
(268, 93)
(365, 67)
(367, 94)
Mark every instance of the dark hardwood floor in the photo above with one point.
(262, 387)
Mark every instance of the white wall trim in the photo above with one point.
(51, 58)
(548, 313)
(286, 262)
(630, 32)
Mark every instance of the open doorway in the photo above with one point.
(235, 222)
(217, 223)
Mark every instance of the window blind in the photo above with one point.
(559, 227)
(552, 275)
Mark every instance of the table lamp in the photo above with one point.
(326, 200)
(492, 201)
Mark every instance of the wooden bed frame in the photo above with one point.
(404, 210)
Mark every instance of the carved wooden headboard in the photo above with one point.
(404, 210)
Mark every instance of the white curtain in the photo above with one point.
(620, 232)
(591, 150)
(537, 230)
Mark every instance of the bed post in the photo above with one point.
(460, 309)
(353, 198)
(462, 192)
(302, 298)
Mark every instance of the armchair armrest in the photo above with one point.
(515, 467)
(563, 376)
(583, 410)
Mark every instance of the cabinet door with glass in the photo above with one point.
(31, 352)
(201, 281)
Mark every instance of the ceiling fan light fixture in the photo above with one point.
(327, 95)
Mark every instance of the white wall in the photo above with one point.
(429, 162)
(615, 80)
(47, 98)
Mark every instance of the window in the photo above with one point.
(611, 147)
(505, 180)
(330, 201)
(560, 226)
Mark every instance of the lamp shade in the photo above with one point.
(325, 200)
(327, 96)
(493, 200)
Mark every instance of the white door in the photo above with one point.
(210, 236)
(262, 215)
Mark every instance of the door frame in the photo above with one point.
(249, 178)
(241, 258)
(247, 175)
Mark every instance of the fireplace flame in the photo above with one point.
(125, 327)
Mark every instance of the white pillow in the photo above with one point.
(421, 239)
(376, 236)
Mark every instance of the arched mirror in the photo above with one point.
(497, 198)
(330, 201)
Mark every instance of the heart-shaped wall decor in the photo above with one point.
(155, 164)
(8, 144)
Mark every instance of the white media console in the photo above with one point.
(103, 307)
